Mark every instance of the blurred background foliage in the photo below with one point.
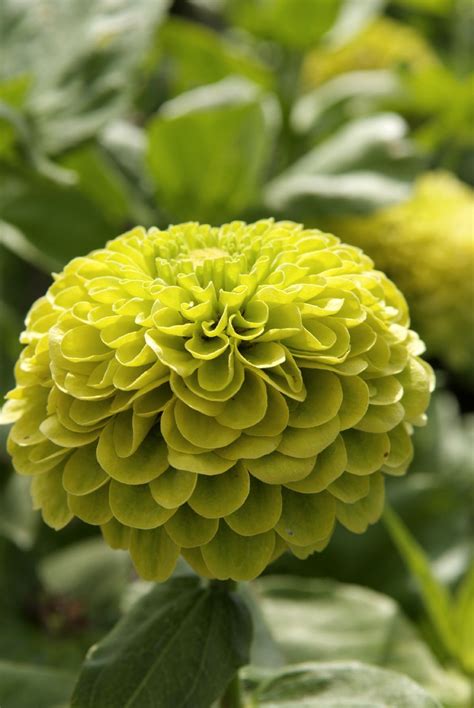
(354, 117)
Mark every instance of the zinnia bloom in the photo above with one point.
(224, 393)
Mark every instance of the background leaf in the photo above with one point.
(350, 685)
(29, 686)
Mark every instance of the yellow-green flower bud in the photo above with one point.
(426, 245)
(224, 393)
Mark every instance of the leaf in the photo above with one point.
(322, 620)
(208, 148)
(191, 54)
(351, 685)
(178, 646)
(436, 598)
(353, 17)
(29, 686)
(376, 142)
(58, 220)
(462, 618)
(309, 197)
(338, 98)
(298, 24)
(16, 241)
(81, 59)
(18, 521)
(88, 571)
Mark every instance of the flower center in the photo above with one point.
(199, 255)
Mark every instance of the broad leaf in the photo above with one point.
(178, 646)
(297, 24)
(29, 686)
(322, 620)
(351, 685)
(208, 148)
(462, 619)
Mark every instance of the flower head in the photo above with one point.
(224, 393)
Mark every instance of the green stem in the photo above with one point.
(232, 698)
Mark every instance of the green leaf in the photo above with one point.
(178, 646)
(194, 55)
(322, 620)
(18, 521)
(298, 24)
(208, 148)
(462, 618)
(29, 686)
(16, 241)
(58, 220)
(435, 596)
(353, 17)
(351, 685)
(309, 197)
(336, 100)
(81, 59)
(90, 572)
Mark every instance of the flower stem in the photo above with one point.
(232, 698)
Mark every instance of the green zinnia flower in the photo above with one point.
(426, 245)
(224, 393)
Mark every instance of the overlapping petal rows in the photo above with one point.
(224, 393)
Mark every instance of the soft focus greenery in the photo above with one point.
(152, 112)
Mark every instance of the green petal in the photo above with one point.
(154, 401)
(249, 447)
(248, 406)
(116, 535)
(193, 556)
(174, 439)
(207, 463)
(381, 419)
(26, 430)
(306, 518)
(330, 464)
(173, 487)
(203, 405)
(260, 511)
(350, 488)
(262, 355)
(366, 452)
(83, 343)
(401, 447)
(418, 381)
(322, 402)
(385, 390)
(129, 432)
(147, 463)
(306, 442)
(218, 496)
(82, 473)
(92, 508)
(153, 553)
(188, 530)
(202, 430)
(276, 417)
(357, 517)
(48, 495)
(303, 552)
(280, 469)
(355, 401)
(134, 506)
(58, 434)
(229, 555)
